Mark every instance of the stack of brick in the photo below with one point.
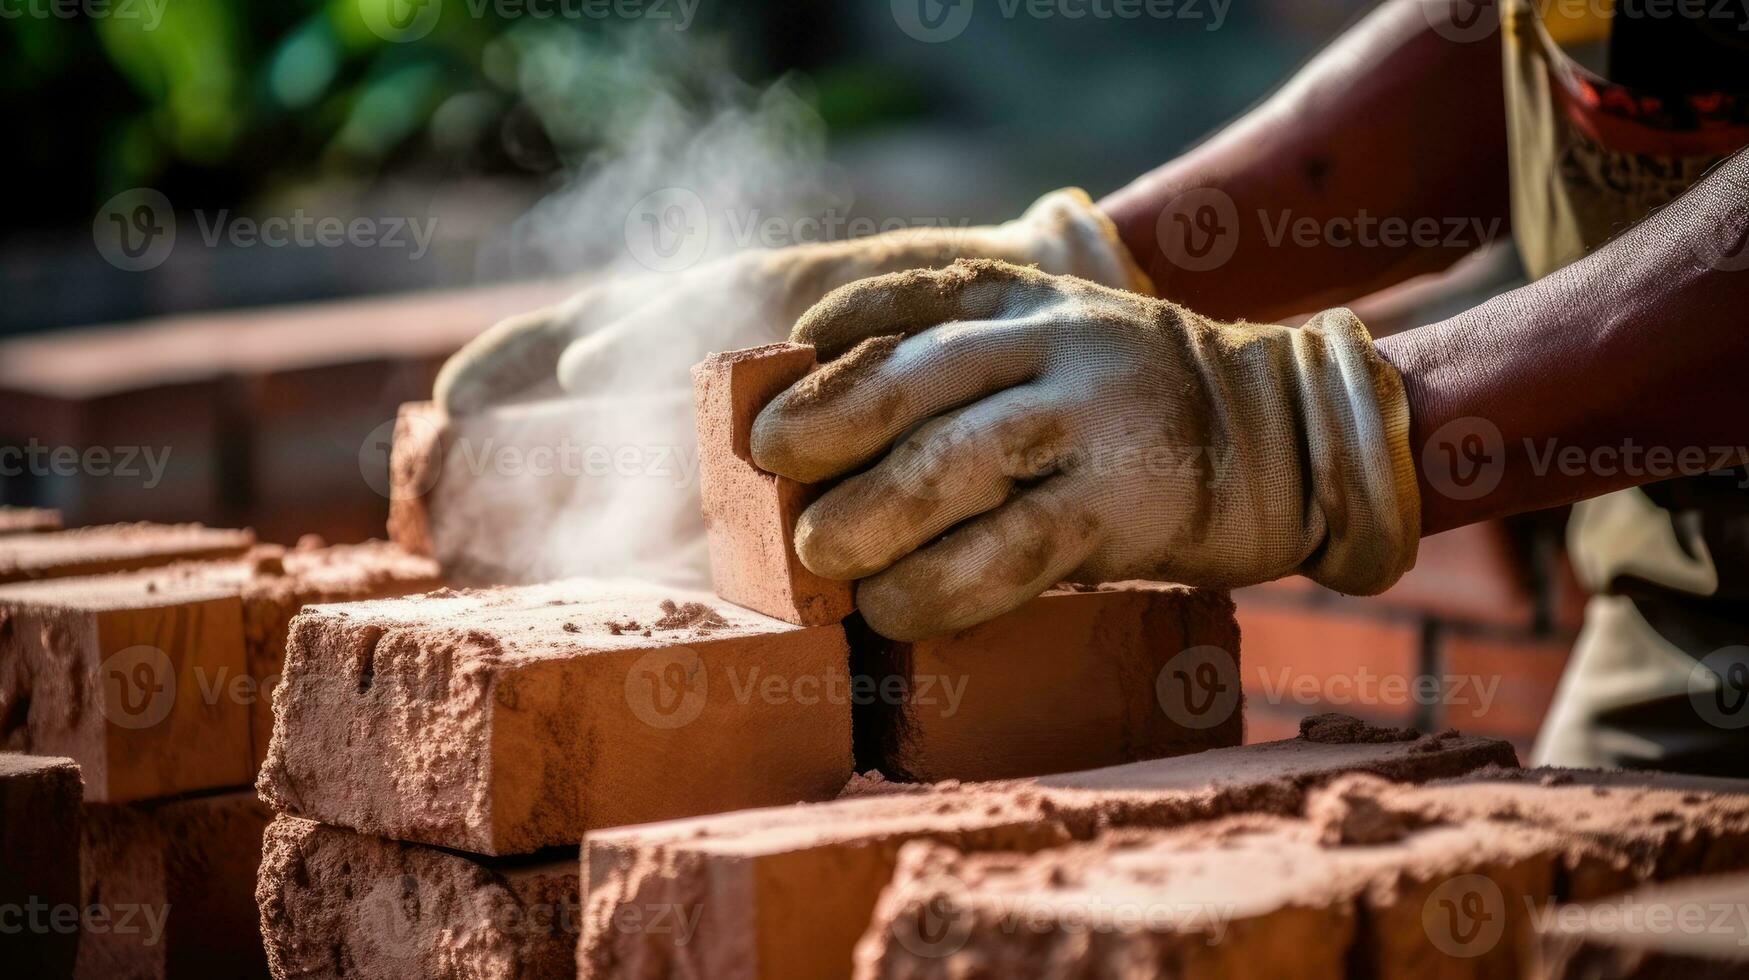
(1152, 671)
(1474, 636)
(148, 654)
(437, 759)
(1271, 859)
(260, 417)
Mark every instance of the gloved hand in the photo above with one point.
(660, 325)
(1069, 431)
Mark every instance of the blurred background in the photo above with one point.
(240, 235)
(472, 110)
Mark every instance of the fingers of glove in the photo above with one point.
(909, 302)
(511, 360)
(985, 568)
(952, 468)
(847, 412)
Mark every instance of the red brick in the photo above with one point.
(414, 454)
(113, 548)
(1499, 685)
(26, 520)
(786, 891)
(73, 699)
(1471, 574)
(339, 904)
(1300, 660)
(988, 702)
(1245, 897)
(543, 490)
(751, 514)
(183, 871)
(102, 671)
(39, 862)
(1689, 929)
(1381, 879)
(501, 721)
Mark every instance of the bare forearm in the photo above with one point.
(1622, 369)
(1393, 123)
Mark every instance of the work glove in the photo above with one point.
(1020, 429)
(617, 336)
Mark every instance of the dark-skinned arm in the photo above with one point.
(1639, 347)
(1394, 120)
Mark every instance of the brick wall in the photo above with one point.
(1474, 637)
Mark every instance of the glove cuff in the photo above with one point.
(1065, 234)
(1360, 468)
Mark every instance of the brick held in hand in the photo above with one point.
(144, 676)
(806, 878)
(339, 904)
(113, 548)
(500, 721)
(1078, 678)
(180, 876)
(751, 514)
(39, 862)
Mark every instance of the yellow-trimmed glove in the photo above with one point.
(1026, 429)
(665, 323)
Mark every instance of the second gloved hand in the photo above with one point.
(1019, 429)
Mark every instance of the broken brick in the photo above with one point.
(805, 878)
(113, 548)
(476, 720)
(39, 863)
(1153, 671)
(27, 520)
(751, 514)
(339, 904)
(143, 676)
(174, 883)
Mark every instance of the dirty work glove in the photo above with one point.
(1051, 429)
(663, 324)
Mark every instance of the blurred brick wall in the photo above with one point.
(1474, 637)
